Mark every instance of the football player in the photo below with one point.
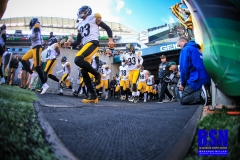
(53, 52)
(99, 87)
(117, 88)
(35, 51)
(105, 79)
(66, 69)
(133, 61)
(89, 31)
(81, 84)
(124, 82)
(143, 76)
(150, 82)
(155, 91)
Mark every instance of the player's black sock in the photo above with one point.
(53, 77)
(79, 61)
(40, 74)
(79, 88)
(25, 64)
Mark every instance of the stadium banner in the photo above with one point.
(164, 47)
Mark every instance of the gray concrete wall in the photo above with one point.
(219, 98)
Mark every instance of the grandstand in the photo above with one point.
(60, 26)
(18, 30)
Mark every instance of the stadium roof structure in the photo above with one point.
(60, 25)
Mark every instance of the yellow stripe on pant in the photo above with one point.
(124, 84)
(117, 88)
(34, 53)
(84, 48)
(133, 76)
(149, 89)
(65, 80)
(142, 87)
(50, 66)
(105, 83)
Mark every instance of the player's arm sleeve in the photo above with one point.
(78, 41)
(107, 28)
(184, 67)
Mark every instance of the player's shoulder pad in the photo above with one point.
(97, 15)
(97, 54)
(67, 64)
(37, 25)
(55, 45)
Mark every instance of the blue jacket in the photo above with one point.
(192, 70)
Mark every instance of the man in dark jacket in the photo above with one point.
(195, 80)
(113, 85)
(164, 74)
(51, 35)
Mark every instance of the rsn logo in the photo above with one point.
(169, 47)
(212, 143)
(213, 138)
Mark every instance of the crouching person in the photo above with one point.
(66, 69)
(195, 80)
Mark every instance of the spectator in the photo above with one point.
(24, 76)
(70, 39)
(164, 79)
(11, 72)
(195, 80)
(77, 44)
(3, 39)
(63, 40)
(174, 77)
(51, 35)
(170, 34)
(6, 62)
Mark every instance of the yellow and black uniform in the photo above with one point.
(149, 88)
(88, 35)
(51, 58)
(142, 83)
(118, 84)
(36, 49)
(105, 74)
(155, 91)
(66, 76)
(124, 81)
(133, 61)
